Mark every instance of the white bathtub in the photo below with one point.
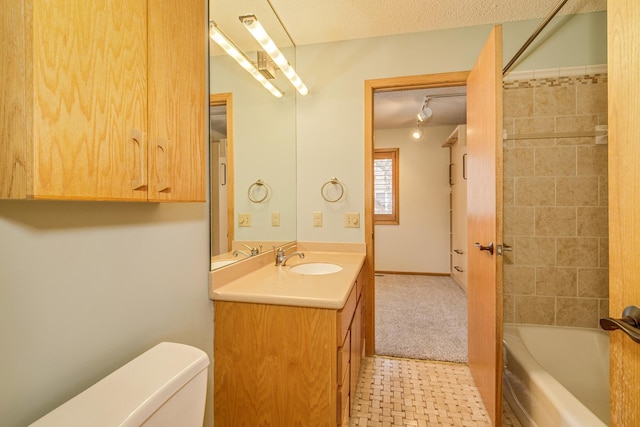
(557, 376)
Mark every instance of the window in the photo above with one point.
(385, 186)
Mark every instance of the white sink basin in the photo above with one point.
(316, 268)
(218, 264)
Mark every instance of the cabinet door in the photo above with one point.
(459, 210)
(177, 100)
(88, 71)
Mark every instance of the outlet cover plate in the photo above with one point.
(317, 219)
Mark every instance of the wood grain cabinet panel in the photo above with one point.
(281, 365)
(103, 100)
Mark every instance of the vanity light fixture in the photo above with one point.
(233, 51)
(258, 32)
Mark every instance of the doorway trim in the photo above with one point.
(218, 99)
(456, 78)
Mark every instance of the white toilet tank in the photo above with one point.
(165, 386)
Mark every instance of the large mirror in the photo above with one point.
(253, 141)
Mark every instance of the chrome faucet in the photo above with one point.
(238, 252)
(254, 251)
(281, 258)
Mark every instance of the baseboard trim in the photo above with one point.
(412, 273)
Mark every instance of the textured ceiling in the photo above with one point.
(399, 109)
(313, 21)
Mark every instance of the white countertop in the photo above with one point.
(278, 285)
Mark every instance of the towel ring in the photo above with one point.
(259, 184)
(333, 181)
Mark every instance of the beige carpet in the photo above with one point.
(421, 317)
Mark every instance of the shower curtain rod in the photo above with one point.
(535, 34)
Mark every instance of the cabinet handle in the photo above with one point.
(458, 251)
(464, 166)
(458, 269)
(139, 182)
(223, 174)
(162, 166)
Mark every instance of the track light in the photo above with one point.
(425, 112)
(258, 32)
(233, 51)
(417, 133)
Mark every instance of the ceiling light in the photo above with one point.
(233, 51)
(258, 32)
(417, 133)
(425, 112)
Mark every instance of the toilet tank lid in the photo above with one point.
(132, 393)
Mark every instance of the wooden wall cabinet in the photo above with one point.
(103, 100)
(457, 143)
(283, 365)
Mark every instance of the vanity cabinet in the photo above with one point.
(103, 100)
(285, 365)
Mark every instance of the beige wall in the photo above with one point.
(420, 243)
(87, 286)
(556, 203)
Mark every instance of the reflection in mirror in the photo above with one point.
(253, 137)
(220, 164)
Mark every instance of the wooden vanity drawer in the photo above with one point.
(346, 314)
(360, 283)
(343, 398)
(344, 354)
(345, 416)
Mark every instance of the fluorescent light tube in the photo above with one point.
(258, 32)
(233, 51)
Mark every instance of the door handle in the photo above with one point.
(629, 323)
(485, 248)
(500, 249)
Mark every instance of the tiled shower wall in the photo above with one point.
(555, 203)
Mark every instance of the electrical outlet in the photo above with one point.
(352, 220)
(244, 220)
(317, 219)
(275, 219)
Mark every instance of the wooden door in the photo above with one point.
(623, 23)
(178, 100)
(484, 207)
(87, 64)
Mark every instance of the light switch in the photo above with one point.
(275, 219)
(244, 220)
(352, 220)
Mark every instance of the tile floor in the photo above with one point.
(407, 392)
